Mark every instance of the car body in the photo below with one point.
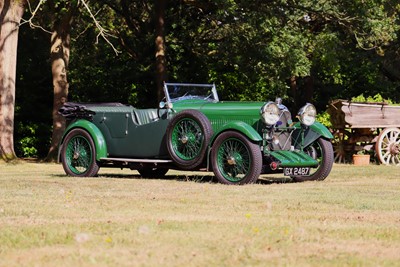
(193, 130)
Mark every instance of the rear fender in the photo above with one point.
(95, 133)
(311, 134)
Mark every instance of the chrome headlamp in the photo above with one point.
(270, 113)
(307, 114)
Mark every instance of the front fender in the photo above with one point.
(95, 133)
(311, 134)
(241, 127)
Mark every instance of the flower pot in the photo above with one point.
(361, 160)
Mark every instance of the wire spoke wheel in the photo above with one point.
(188, 135)
(78, 154)
(187, 139)
(235, 159)
(388, 146)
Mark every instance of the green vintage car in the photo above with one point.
(193, 130)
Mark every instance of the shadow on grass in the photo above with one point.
(207, 178)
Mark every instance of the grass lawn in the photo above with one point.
(119, 219)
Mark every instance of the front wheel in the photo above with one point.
(235, 160)
(322, 151)
(78, 154)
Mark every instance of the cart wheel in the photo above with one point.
(340, 145)
(388, 146)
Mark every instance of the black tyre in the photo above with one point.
(322, 151)
(235, 160)
(152, 172)
(188, 135)
(78, 154)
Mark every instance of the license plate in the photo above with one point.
(297, 171)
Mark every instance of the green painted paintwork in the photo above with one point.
(95, 133)
(319, 128)
(131, 133)
(140, 133)
(242, 127)
(311, 134)
(126, 132)
(294, 159)
(241, 116)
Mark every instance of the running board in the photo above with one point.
(138, 160)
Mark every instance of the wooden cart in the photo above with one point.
(365, 126)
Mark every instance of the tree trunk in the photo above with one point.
(160, 6)
(308, 89)
(293, 88)
(59, 55)
(11, 12)
(302, 90)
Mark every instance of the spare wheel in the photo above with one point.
(188, 135)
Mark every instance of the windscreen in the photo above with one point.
(181, 91)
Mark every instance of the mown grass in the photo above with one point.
(119, 219)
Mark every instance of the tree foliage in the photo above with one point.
(304, 50)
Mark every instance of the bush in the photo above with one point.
(371, 99)
(26, 140)
(325, 119)
(32, 139)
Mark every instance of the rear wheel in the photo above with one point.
(78, 154)
(235, 159)
(322, 151)
(188, 135)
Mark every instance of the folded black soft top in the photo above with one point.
(71, 110)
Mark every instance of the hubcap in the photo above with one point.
(394, 149)
(231, 161)
(184, 139)
(76, 155)
(187, 139)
